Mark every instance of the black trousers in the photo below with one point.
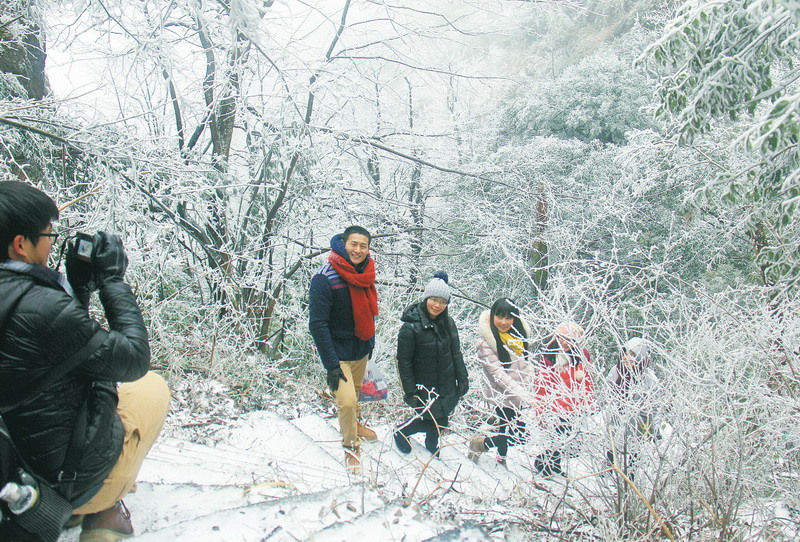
(550, 460)
(431, 429)
(511, 431)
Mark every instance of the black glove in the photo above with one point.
(333, 378)
(463, 387)
(411, 399)
(109, 261)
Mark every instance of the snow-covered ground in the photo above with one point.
(277, 480)
(269, 478)
(279, 475)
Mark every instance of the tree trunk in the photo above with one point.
(23, 55)
(537, 253)
(417, 201)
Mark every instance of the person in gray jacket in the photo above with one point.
(631, 402)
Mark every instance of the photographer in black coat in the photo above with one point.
(44, 322)
(430, 365)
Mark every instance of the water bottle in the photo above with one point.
(19, 498)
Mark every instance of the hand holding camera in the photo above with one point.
(94, 260)
(110, 260)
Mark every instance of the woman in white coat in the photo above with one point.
(509, 377)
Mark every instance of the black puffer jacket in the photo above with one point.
(429, 354)
(45, 328)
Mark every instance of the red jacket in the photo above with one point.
(564, 388)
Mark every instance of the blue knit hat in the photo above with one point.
(438, 287)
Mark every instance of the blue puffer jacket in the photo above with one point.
(45, 328)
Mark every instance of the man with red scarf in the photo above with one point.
(342, 306)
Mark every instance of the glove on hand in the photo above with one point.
(333, 378)
(463, 387)
(411, 399)
(110, 261)
(79, 272)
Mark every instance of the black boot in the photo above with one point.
(542, 465)
(432, 442)
(548, 464)
(556, 464)
(402, 442)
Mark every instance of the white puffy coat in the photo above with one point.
(513, 386)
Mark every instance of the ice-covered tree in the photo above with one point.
(599, 98)
(723, 62)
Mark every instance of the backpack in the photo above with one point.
(45, 520)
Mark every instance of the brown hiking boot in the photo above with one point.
(476, 448)
(352, 459)
(366, 433)
(110, 525)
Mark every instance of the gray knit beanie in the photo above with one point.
(438, 287)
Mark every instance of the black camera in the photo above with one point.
(84, 247)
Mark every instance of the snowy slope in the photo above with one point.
(265, 477)
(279, 475)
(272, 479)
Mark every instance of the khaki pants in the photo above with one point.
(347, 400)
(143, 407)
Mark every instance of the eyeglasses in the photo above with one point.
(51, 235)
(437, 301)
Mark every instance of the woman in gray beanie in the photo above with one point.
(430, 365)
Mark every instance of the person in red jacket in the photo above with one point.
(563, 389)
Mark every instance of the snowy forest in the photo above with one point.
(631, 166)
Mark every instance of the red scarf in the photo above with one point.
(363, 294)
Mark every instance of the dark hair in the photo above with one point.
(356, 229)
(24, 210)
(506, 307)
